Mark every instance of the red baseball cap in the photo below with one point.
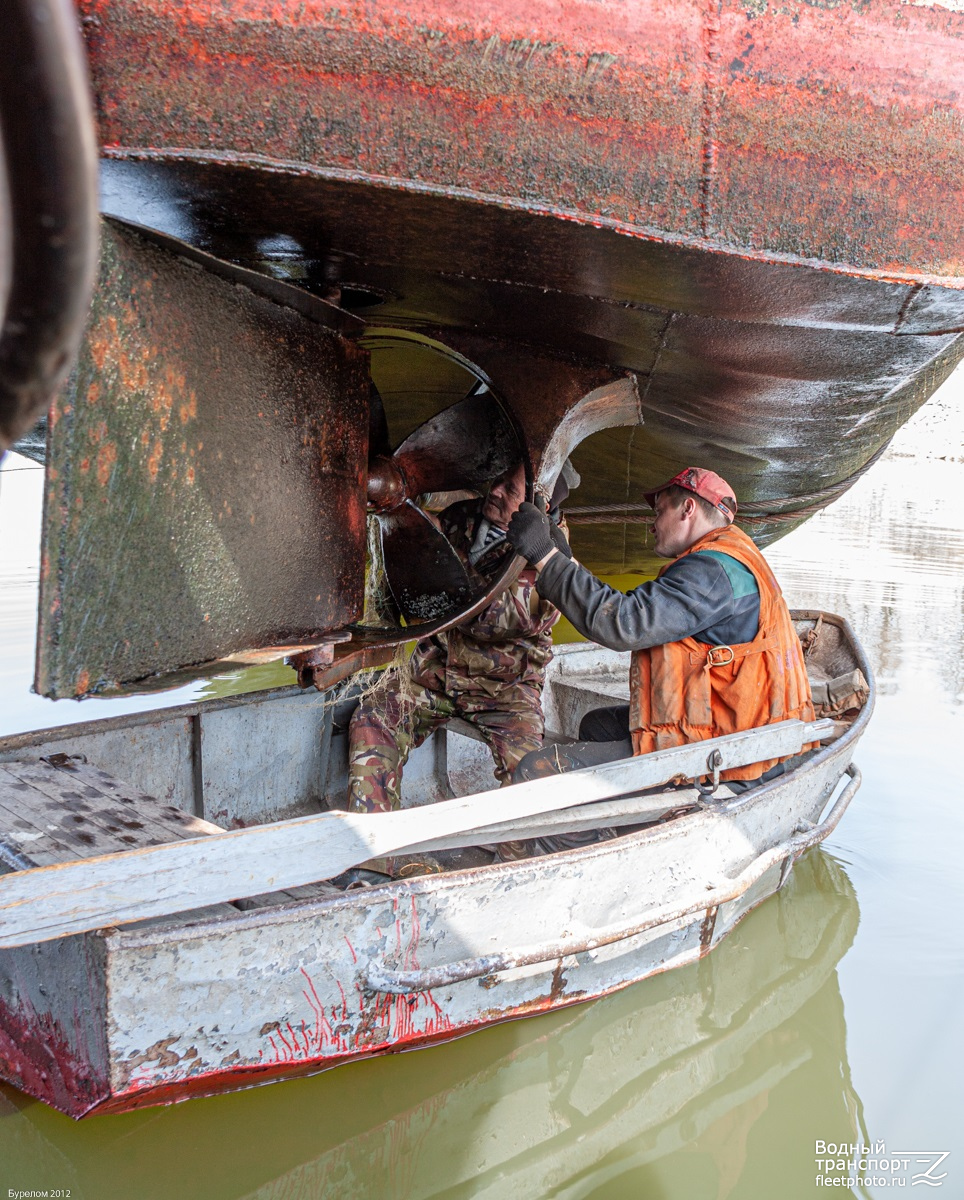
(700, 482)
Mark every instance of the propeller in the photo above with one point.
(463, 448)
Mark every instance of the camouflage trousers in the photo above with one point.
(391, 722)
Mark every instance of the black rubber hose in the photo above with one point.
(48, 205)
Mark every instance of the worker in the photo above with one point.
(714, 650)
(489, 670)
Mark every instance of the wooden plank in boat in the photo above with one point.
(47, 831)
(637, 810)
(79, 817)
(55, 814)
(82, 798)
(308, 891)
(25, 843)
(115, 889)
(165, 818)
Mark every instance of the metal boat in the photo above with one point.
(237, 989)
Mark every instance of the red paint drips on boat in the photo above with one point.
(40, 1058)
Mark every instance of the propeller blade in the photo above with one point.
(465, 446)
(378, 443)
(426, 576)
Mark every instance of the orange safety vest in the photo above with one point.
(688, 691)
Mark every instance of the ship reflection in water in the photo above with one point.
(667, 1081)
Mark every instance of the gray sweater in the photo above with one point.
(707, 595)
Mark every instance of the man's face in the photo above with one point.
(505, 496)
(672, 532)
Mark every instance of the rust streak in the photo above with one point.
(912, 294)
(711, 105)
(707, 926)
(558, 986)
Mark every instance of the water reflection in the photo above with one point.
(657, 1091)
(892, 557)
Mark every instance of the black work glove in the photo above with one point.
(559, 540)
(530, 531)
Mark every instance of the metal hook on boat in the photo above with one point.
(64, 761)
(714, 763)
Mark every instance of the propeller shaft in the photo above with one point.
(387, 488)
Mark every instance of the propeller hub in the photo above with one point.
(386, 485)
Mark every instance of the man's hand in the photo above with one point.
(559, 540)
(530, 531)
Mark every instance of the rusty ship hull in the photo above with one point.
(755, 210)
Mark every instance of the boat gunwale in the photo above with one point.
(192, 708)
(167, 929)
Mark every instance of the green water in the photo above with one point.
(831, 1014)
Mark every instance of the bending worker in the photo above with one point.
(714, 648)
(488, 670)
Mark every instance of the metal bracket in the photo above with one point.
(714, 764)
(63, 761)
(306, 662)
